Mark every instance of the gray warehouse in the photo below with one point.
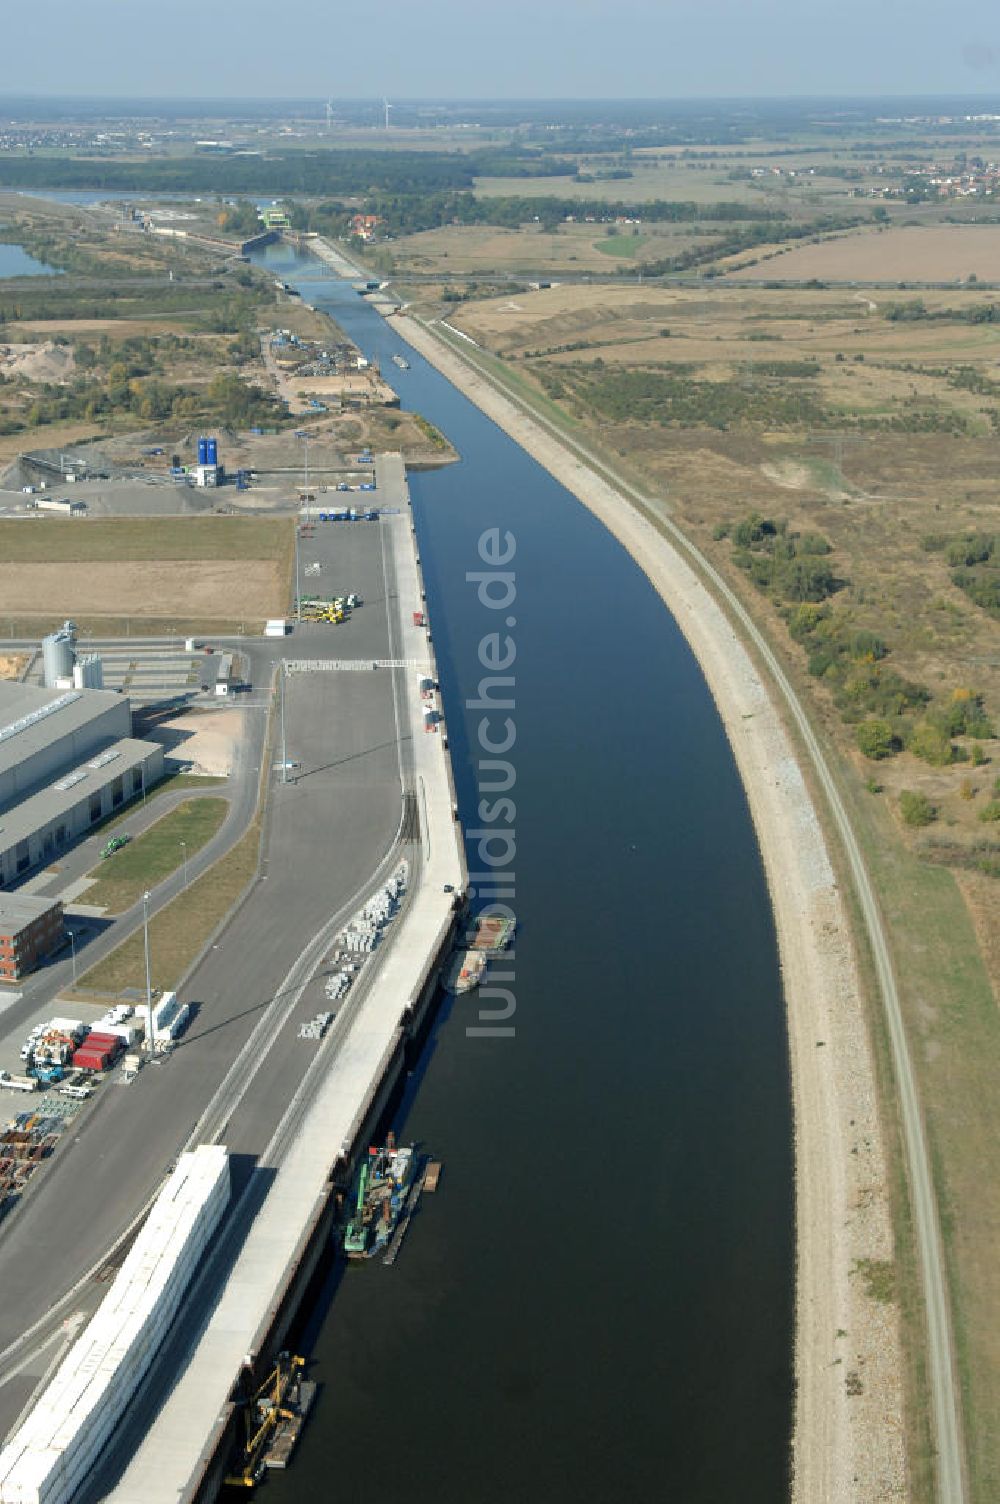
(67, 760)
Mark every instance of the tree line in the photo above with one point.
(312, 172)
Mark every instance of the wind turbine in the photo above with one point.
(388, 107)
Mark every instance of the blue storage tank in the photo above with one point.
(213, 452)
(203, 451)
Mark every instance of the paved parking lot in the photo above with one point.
(330, 826)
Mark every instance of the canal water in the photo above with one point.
(597, 1303)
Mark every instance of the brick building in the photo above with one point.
(30, 929)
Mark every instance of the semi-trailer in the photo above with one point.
(19, 1083)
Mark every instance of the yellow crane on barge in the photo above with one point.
(273, 1416)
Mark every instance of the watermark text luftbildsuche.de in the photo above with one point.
(491, 843)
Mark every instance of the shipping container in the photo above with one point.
(92, 1060)
(125, 1033)
(107, 1042)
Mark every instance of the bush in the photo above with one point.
(867, 689)
(974, 559)
(876, 740)
(990, 812)
(786, 566)
(916, 809)
(973, 549)
(931, 744)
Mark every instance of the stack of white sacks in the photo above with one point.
(169, 1017)
(51, 1453)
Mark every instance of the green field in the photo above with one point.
(620, 245)
(125, 538)
(122, 878)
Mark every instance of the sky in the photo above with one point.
(611, 49)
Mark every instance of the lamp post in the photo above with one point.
(284, 744)
(72, 951)
(298, 588)
(185, 851)
(149, 989)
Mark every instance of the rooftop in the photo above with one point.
(32, 718)
(69, 789)
(18, 910)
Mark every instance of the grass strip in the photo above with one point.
(123, 878)
(178, 932)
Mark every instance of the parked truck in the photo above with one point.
(19, 1083)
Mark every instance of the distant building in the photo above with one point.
(365, 225)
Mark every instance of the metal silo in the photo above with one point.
(88, 672)
(58, 655)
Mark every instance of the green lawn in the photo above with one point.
(123, 877)
(178, 932)
(620, 245)
(168, 785)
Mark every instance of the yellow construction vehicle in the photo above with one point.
(320, 610)
(275, 1402)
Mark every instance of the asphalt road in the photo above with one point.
(940, 1354)
(328, 832)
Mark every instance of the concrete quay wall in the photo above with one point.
(184, 1453)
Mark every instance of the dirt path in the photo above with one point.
(848, 1442)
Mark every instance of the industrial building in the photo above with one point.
(30, 929)
(208, 471)
(67, 760)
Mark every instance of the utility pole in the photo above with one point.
(149, 988)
